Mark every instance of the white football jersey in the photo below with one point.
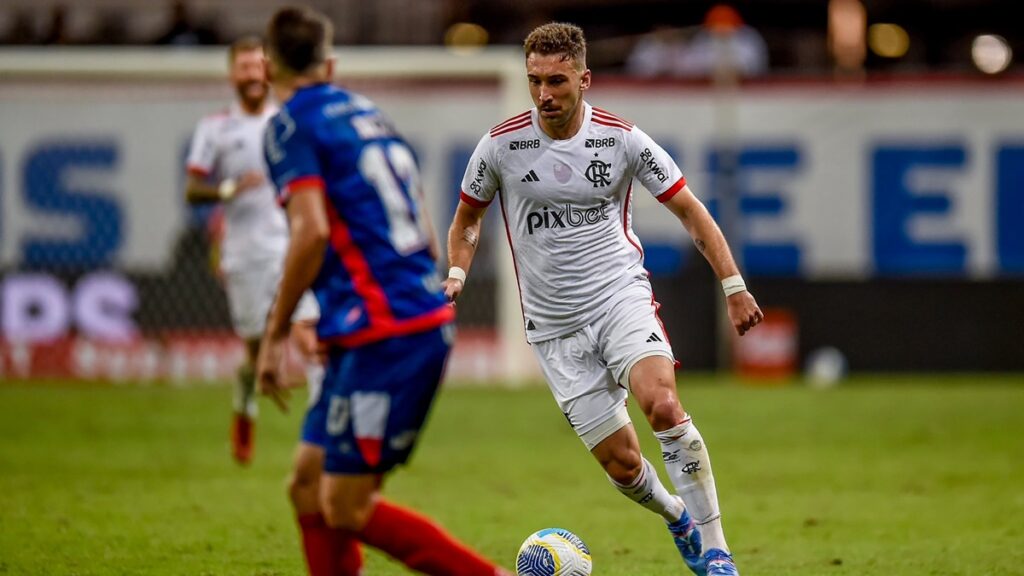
(566, 205)
(227, 145)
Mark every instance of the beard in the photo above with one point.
(251, 93)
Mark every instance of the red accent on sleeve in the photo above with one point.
(668, 194)
(197, 170)
(304, 183)
(472, 201)
(300, 184)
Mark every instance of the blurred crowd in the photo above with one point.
(650, 38)
(111, 27)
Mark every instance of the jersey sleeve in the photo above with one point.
(481, 180)
(291, 157)
(653, 167)
(202, 152)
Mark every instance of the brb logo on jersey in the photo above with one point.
(567, 217)
(599, 143)
(524, 144)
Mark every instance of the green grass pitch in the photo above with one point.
(883, 475)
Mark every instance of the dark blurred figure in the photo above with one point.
(22, 29)
(58, 31)
(725, 43)
(111, 28)
(183, 31)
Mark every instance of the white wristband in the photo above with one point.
(733, 285)
(227, 189)
(457, 273)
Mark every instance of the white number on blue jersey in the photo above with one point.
(392, 172)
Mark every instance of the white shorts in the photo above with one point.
(251, 292)
(588, 370)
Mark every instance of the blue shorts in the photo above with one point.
(375, 399)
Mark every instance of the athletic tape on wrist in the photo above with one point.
(733, 285)
(457, 273)
(227, 189)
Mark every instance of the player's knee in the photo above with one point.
(665, 412)
(346, 515)
(303, 487)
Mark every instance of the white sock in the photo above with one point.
(689, 467)
(646, 490)
(314, 381)
(245, 401)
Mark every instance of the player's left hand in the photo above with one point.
(743, 312)
(268, 371)
(250, 180)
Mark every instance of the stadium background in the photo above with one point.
(876, 204)
(874, 199)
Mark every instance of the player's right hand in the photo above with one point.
(268, 371)
(452, 288)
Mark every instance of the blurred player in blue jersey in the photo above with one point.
(225, 165)
(361, 239)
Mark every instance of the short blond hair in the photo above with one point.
(244, 44)
(558, 38)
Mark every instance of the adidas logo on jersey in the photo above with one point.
(531, 176)
(654, 338)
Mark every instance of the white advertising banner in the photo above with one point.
(832, 181)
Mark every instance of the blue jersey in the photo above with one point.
(378, 279)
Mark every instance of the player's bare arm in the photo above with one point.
(310, 231)
(199, 191)
(707, 236)
(463, 237)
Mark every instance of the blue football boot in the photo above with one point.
(719, 563)
(687, 538)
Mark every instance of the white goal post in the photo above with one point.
(60, 66)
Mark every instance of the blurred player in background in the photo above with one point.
(225, 164)
(563, 175)
(361, 238)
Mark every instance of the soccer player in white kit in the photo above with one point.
(562, 174)
(225, 164)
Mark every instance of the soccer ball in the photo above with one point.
(553, 552)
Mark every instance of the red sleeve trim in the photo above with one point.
(475, 203)
(675, 188)
(303, 183)
(197, 170)
(300, 184)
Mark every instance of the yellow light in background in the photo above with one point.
(991, 53)
(465, 35)
(888, 40)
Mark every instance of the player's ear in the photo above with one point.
(267, 77)
(329, 69)
(585, 80)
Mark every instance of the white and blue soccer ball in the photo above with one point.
(553, 552)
